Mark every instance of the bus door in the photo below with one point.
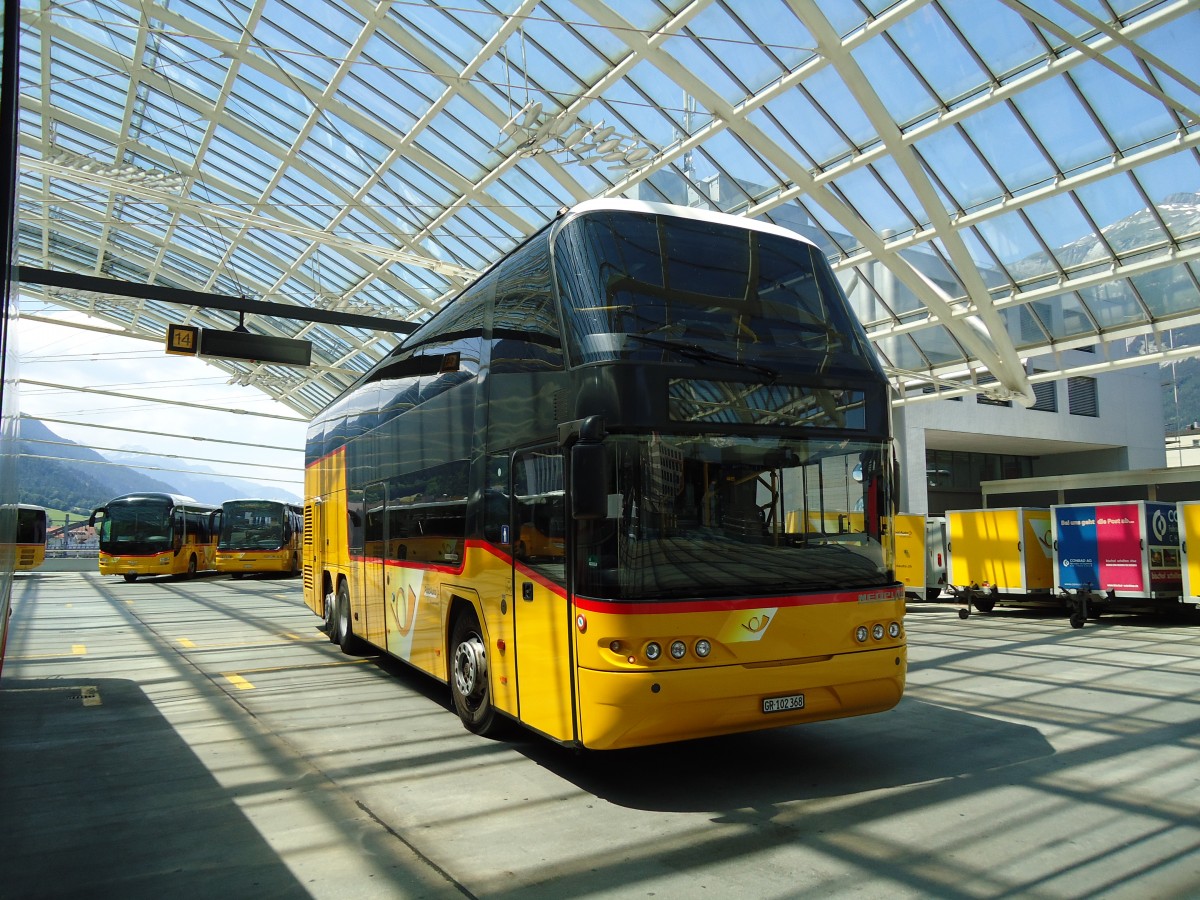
(375, 573)
(541, 613)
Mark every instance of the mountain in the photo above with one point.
(61, 474)
(201, 482)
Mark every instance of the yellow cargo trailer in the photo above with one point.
(920, 554)
(1000, 556)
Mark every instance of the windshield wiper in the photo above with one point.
(703, 354)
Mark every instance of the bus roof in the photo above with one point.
(681, 212)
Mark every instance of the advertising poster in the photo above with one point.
(1099, 548)
(1162, 542)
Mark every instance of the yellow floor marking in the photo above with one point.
(239, 682)
(184, 642)
(79, 649)
(289, 636)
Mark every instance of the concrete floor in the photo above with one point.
(203, 739)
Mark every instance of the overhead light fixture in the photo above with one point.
(124, 172)
(538, 131)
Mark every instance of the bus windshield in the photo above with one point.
(136, 528)
(253, 525)
(649, 287)
(719, 516)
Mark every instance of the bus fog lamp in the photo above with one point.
(678, 649)
(894, 629)
(860, 634)
(615, 646)
(703, 648)
(877, 632)
(653, 650)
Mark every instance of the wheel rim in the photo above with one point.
(343, 612)
(470, 664)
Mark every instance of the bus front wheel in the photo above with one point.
(469, 675)
(192, 566)
(131, 576)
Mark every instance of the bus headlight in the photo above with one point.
(860, 634)
(894, 629)
(678, 649)
(653, 651)
(877, 632)
(703, 648)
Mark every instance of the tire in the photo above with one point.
(330, 616)
(469, 683)
(191, 572)
(963, 613)
(985, 604)
(131, 576)
(236, 576)
(346, 638)
(1077, 620)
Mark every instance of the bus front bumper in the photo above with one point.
(633, 709)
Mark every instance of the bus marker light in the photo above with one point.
(500, 644)
(678, 649)
(581, 624)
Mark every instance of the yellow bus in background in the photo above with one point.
(30, 549)
(258, 536)
(593, 493)
(154, 534)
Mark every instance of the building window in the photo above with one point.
(988, 401)
(1081, 396)
(1046, 394)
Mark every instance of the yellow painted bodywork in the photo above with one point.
(565, 669)
(1007, 549)
(168, 562)
(250, 561)
(911, 556)
(1189, 530)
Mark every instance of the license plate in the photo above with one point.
(783, 704)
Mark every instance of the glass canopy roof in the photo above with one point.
(993, 180)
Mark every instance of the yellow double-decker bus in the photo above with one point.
(593, 492)
(30, 549)
(258, 536)
(154, 534)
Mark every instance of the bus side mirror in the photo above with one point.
(92, 518)
(589, 472)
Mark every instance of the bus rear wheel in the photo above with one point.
(469, 675)
(347, 640)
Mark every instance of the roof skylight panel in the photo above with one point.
(938, 346)
(1064, 229)
(1169, 292)
(704, 68)
(1007, 148)
(226, 19)
(1024, 328)
(305, 51)
(1001, 37)
(904, 95)
(111, 25)
(275, 108)
(1113, 305)
(819, 130)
